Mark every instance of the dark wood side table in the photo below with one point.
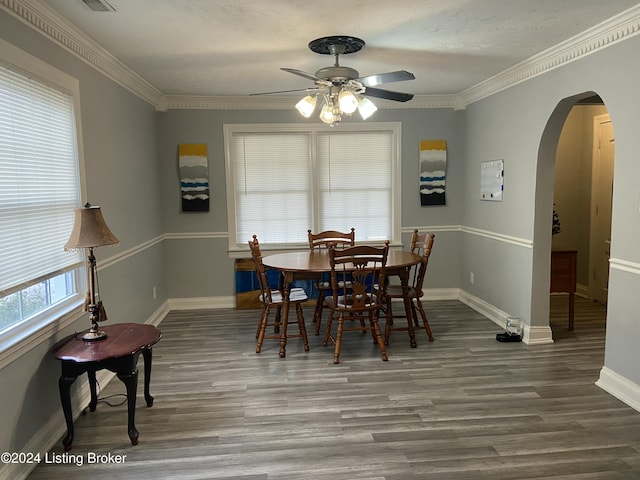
(563, 277)
(117, 353)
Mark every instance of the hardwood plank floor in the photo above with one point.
(462, 407)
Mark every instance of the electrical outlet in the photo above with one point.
(471, 277)
(155, 293)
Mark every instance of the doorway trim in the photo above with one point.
(543, 208)
(597, 276)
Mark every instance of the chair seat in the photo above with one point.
(395, 291)
(347, 301)
(296, 295)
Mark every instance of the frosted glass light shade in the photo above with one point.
(347, 101)
(306, 106)
(366, 108)
(326, 114)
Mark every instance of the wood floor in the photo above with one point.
(462, 407)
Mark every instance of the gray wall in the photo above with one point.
(201, 267)
(122, 176)
(521, 125)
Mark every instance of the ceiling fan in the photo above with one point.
(341, 90)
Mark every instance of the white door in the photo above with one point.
(601, 202)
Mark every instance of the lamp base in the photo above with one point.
(94, 335)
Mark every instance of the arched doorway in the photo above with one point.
(583, 184)
(544, 197)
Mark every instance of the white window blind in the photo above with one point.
(272, 179)
(285, 179)
(38, 181)
(355, 183)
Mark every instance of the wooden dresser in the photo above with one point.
(563, 276)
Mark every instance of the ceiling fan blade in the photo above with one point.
(288, 91)
(387, 95)
(397, 76)
(303, 74)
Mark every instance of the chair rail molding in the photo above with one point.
(500, 237)
(625, 266)
(195, 235)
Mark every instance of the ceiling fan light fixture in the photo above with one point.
(307, 105)
(340, 89)
(348, 101)
(327, 115)
(366, 108)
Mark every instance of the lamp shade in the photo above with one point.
(90, 229)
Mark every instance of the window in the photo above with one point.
(283, 180)
(39, 190)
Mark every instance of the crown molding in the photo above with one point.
(614, 30)
(45, 20)
(49, 23)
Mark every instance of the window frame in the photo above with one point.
(237, 247)
(20, 337)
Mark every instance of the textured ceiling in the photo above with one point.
(236, 47)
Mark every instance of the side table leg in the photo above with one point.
(146, 355)
(92, 387)
(130, 381)
(64, 385)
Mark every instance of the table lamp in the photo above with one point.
(89, 231)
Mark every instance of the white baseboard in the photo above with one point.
(52, 432)
(159, 314)
(202, 303)
(531, 335)
(582, 290)
(441, 294)
(623, 389)
(493, 313)
(537, 335)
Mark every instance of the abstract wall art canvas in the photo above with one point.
(194, 177)
(433, 168)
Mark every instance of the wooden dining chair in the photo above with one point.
(323, 241)
(355, 272)
(274, 298)
(421, 244)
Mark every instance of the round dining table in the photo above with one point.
(301, 264)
